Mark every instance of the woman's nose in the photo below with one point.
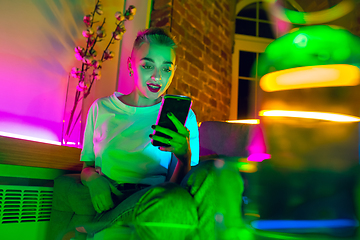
(156, 75)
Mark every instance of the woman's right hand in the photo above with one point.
(100, 193)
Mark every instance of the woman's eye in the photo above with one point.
(167, 70)
(147, 67)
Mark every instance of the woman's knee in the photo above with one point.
(169, 198)
(71, 195)
(168, 192)
(62, 185)
(166, 210)
(217, 173)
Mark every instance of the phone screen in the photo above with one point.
(179, 106)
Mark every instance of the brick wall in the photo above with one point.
(203, 29)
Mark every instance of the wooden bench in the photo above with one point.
(34, 154)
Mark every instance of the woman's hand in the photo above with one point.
(179, 141)
(100, 193)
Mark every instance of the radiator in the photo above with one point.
(24, 212)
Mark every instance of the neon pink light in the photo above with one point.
(257, 146)
(258, 157)
(283, 26)
(34, 139)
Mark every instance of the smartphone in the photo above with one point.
(179, 106)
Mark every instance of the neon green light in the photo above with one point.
(311, 46)
(246, 167)
(301, 40)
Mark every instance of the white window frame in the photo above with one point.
(250, 44)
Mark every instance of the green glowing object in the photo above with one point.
(311, 46)
(301, 40)
(323, 16)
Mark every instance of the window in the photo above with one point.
(252, 20)
(247, 84)
(253, 33)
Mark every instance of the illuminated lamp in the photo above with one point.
(301, 40)
(245, 121)
(258, 157)
(334, 117)
(312, 46)
(292, 224)
(323, 16)
(246, 167)
(309, 80)
(332, 75)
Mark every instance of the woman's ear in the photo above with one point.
(129, 63)
(129, 67)
(175, 67)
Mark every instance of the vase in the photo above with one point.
(71, 129)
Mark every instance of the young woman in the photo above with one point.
(126, 181)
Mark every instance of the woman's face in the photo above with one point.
(154, 67)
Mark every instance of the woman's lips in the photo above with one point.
(154, 87)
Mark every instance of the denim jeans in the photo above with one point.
(206, 205)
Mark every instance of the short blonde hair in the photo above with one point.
(154, 35)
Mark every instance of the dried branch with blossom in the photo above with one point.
(88, 57)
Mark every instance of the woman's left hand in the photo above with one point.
(179, 142)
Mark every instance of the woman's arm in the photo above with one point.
(180, 145)
(180, 171)
(87, 153)
(193, 159)
(100, 188)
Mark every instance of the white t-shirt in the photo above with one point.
(116, 137)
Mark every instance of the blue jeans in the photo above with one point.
(207, 202)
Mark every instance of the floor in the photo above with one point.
(243, 234)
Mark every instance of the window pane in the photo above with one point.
(265, 30)
(245, 98)
(262, 13)
(245, 27)
(246, 62)
(248, 11)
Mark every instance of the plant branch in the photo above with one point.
(77, 119)
(112, 37)
(88, 53)
(88, 91)
(93, 13)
